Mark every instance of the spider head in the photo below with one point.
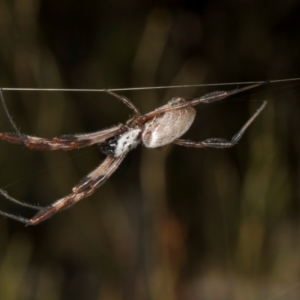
(122, 143)
(109, 146)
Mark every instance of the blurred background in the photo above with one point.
(174, 224)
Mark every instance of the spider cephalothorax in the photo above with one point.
(123, 142)
(156, 129)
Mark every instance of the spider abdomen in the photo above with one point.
(166, 128)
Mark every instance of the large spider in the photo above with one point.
(155, 129)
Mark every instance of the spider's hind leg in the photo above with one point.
(220, 142)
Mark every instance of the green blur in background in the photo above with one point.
(174, 224)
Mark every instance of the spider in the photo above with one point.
(156, 129)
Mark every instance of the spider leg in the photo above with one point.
(10, 119)
(83, 189)
(144, 118)
(220, 142)
(8, 197)
(221, 95)
(208, 98)
(64, 142)
(126, 101)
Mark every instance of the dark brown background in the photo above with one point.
(174, 224)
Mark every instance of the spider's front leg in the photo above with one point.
(83, 189)
(220, 142)
(64, 142)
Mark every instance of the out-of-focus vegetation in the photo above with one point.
(173, 224)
